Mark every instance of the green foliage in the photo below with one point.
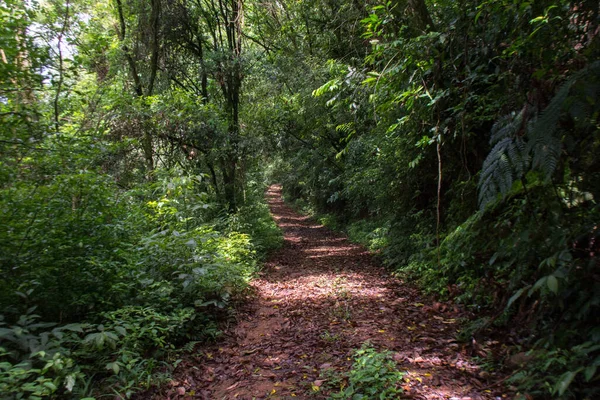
(165, 288)
(545, 374)
(23, 381)
(507, 162)
(468, 99)
(254, 219)
(131, 175)
(374, 375)
(511, 155)
(526, 249)
(112, 185)
(36, 361)
(66, 226)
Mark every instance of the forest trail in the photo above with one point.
(319, 298)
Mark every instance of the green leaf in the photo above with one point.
(538, 285)
(121, 330)
(73, 327)
(552, 283)
(589, 373)
(564, 382)
(5, 332)
(70, 382)
(114, 366)
(537, 19)
(516, 296)
(111, 336)
(477, 16)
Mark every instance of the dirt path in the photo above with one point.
(319, 298)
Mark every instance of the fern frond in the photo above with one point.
(546, 155)
(189, 346)
(518, 157)
(346, 128)
(500, 169)
(544, 140)
(580, 109)
(505, 127)
(511, 156)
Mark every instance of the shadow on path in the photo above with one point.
(319, 298)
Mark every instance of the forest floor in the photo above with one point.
(317, 300)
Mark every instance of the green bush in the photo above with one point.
(36, 359)
(372, 233)
(142, 271)
(374, 375)
(527, 259)
(65, 241)
(253, 217)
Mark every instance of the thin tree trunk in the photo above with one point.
(60, 68)
(215, 181)
(155, 19)
(229, 188)
(203, 74)
(138, 87)
(23, 87)
(139, 90)
(439, 196)
(232, 84)
(420, 12)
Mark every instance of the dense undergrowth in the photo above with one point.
(106, 286)
(536, 290)
(130, 227)
(456, 139)
(460, 149)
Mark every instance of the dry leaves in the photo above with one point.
(319, 298)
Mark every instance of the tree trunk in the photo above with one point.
(154, 21)
(231, 90)
(146, 140)
(213, 177)
(61, 76)
(421, 15)
(229, 186)
(139, 90)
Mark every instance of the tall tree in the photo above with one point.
(150, 28)
(210, 32)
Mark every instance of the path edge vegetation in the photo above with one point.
(173, 288)
(458, 139)
(479, 203)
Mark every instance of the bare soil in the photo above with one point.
(318, 299)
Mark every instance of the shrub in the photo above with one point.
(373, 376)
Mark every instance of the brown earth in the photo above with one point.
(318, 299)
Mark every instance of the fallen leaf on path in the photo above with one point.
(319, 285)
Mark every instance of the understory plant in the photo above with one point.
(374, 375)
(168, 286)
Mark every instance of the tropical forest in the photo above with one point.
(312, 199)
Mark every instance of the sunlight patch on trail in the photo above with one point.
(319, 299)
(320, 286)
(291, 225)
(336, 249)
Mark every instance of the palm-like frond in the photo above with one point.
(544, 139)
(513, 155)
(506, 163)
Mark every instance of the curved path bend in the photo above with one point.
(318, 299)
